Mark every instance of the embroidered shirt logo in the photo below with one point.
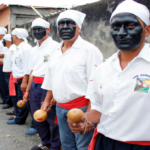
(46, 58)
(16, 60)
(142, 84)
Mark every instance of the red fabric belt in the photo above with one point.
(93, 141)
(138, 142)
(12, 81)
(38, 79)
(19, 79)
(76, 103)
(1, 64)
(95, 135)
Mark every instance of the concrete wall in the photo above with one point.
(21, 15)
(96, 27)
(5, 18)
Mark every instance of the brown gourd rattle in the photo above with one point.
(75, 115)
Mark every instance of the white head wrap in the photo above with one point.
(75, 15)
(7, 37)
(3, 30)
(40, 22)
(130, 6)
(20, 33)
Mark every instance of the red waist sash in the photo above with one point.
(19, 79)
(76, 103)
(1, 64)
(12, 81)
(95, 135)
(94, 140)
(38, 79)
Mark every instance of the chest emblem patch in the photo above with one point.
(46, 58)
(142, 85)
(16, 60)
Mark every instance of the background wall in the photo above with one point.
(5, 19)
(96, 27)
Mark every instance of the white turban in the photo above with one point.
(20, 33)
(40, 22)
(7, 37)
(130, 6)
(75, 15)
(3, 30)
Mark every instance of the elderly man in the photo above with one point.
(7, 67)
(120, 96)
(69, 77)
(20, 71)
(48, 130)
(3, 84)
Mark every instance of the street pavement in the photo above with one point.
(12, 137)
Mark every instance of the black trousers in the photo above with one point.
(22, 113)
(104, 143)
(9, 98)
(4, 87)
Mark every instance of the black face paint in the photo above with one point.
(39, 32)
(66, 28)
(4, 42)
(126, 31)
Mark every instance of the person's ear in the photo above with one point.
(147, 30)
(79, 30)
(48, 30)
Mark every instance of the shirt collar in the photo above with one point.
(144, 53)
(76, 44)
(45, 42)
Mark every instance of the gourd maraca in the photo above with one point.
(75, 115)
(21, 103)
(40, 115)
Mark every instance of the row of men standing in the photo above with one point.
(76, 61)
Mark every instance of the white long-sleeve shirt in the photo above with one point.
(69, 74)
(123, 98)
(8, 58)
(20, 60)
(40, 56)
(2, 49)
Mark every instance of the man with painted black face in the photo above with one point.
(38, 63)
(120, 95)
(69, 77)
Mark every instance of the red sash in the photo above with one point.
(38, 79)
(12, 81)
(76, 103)
(19, 79)
(138, 142)
(1, 64)
(95, 135)
(94, 140)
